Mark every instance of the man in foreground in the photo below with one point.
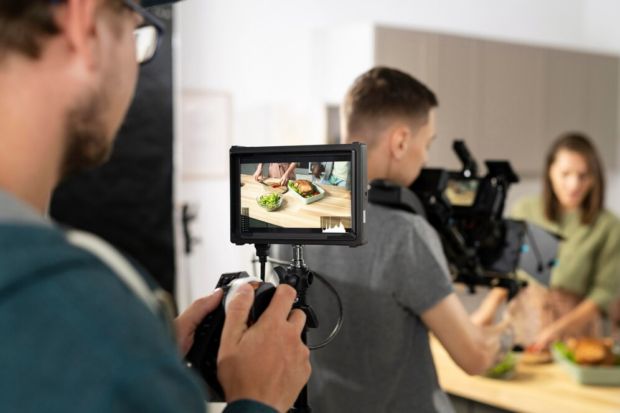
(82, 329)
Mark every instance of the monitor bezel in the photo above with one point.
(359, 195)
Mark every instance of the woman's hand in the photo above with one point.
(286, 175)
(546, 337)
(284, 179)
(258, 175)
(576, 319)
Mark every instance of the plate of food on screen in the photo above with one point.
(273, 185)
(306, 191)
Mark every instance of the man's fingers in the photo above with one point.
(201, 307)
(237, 315)
(281, 303)
(298, 319)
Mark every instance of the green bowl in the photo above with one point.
(504, 370)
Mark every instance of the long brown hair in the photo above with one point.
(593, 202)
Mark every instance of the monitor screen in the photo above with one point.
(309, 195)
(462, 192)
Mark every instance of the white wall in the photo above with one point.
(260, 50)
(264, 54)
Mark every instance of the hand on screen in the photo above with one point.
(258, 175)
(284, 179)
(316, 170)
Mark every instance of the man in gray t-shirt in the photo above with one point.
(381, 360)
(397, 288)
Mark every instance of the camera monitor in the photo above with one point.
(298, 195)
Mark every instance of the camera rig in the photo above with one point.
(281, 224)
(203, 354)
(482, 248)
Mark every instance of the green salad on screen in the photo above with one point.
(269, 201)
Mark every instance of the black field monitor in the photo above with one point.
(304, 195)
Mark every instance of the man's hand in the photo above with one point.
(185, 325)
(267, 362)
(473, 348)
(525, 313)
(485, 314)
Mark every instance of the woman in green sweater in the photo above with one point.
(587, 277)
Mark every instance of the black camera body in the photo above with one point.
(203, 354)
(463, 195)
(482, 247)
(466, 210)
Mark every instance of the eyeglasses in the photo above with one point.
(148, 35)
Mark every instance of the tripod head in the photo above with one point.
(299, 276)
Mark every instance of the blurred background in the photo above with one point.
(510, 77)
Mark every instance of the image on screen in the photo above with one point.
(307, 195)
(462, 192)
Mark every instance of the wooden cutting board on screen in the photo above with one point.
(278, 190)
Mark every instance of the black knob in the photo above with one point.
(282, 273)
(292, 280)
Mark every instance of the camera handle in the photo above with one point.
(299, 276)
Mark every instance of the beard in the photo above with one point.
(88, 139)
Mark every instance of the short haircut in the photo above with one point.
(384, 94)
(24, 24)
(593, 202)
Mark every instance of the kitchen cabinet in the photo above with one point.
(508, 101)
(512, 105)
(415, 52)
(460, 97)
(567, 90)
(602, 121)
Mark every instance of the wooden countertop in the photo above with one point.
(294, 213)
(534, 389)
